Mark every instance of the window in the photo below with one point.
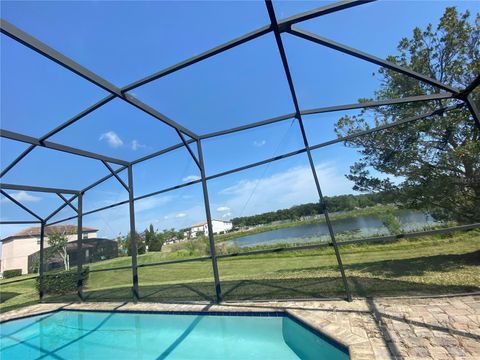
(85, 235)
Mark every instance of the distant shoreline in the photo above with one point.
(369, 211)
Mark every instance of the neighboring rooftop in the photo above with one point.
(35, 231)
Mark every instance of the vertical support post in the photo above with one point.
(218, 290)
(133, 236)
(474, 110)
(80, 257)
(325, 211)
(41, 266)
(283, 55)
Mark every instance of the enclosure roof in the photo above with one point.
(160, 76)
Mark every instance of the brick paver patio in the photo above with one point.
(384, 328)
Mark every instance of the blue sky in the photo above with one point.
(125, 41)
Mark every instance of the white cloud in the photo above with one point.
(223, 208)
(23, 197)
(136, 145)
(180, 215)
(151, 203)
(259, 143)
(228, 214)
(112, 139)
(191, 178)
(284, 189)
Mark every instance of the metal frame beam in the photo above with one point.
(80, 255)
(105, 178)
(36, 45)
(185, 143)
(193, 60)
(19, 204)
(59, 147)
(324, 10)
(465, 92)
(18, 222)
(161, 152)
(283, 55)
(56, 130)
(36, 188)
(17, 160)
(474, 110)
(370, 58)
(211, 239)
(67, 202)
(133, 236)
(77, 117)
(125, 186)
(41, 265)
(362, 105)
(337, 6)
(388, 126)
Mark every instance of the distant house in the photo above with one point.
(219, 227)
(17, 247)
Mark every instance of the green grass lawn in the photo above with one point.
(429, 265)
(17, 292)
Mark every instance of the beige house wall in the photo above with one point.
(15, 251)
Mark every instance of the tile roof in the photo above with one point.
(35, 231)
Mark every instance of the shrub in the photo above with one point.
(392, 223)
(7, 274)
(62, 282)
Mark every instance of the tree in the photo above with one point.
(436, 161)
(154, 240)
(149, 237)
(125, 244)
(57, 243)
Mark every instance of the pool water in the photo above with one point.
(117, 335)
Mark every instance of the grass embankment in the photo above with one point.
(17, 292)
(428, 265)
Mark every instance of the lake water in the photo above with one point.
(363, 226)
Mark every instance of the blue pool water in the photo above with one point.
(116, 335)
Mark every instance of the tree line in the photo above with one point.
(334, 203)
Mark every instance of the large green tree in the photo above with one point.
(431, 164)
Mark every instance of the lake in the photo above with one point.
(363, 226)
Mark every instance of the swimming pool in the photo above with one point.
(130, 335)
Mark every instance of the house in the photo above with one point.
(93, 250)
(219, 227)
(17, 247)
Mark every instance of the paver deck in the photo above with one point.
(383, 328)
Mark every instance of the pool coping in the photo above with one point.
(324, 335)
